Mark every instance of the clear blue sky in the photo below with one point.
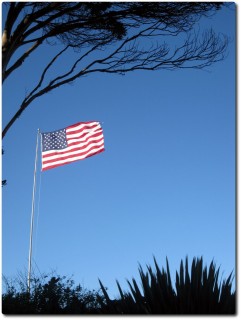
(165, 185)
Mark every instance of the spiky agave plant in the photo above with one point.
(201, 292)
(196, 292)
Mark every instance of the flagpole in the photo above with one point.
(32, 215)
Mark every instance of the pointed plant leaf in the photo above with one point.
(187, 277)
(181, 274)
(105, 293)
(169, 281)
(120, 290)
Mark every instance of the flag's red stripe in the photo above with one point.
(71, 156)
(70, 161)
(54, 153)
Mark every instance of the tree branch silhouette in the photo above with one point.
(121, 35)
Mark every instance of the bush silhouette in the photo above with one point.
(196, 291)
(49, 295)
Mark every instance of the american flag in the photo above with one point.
(76, 142)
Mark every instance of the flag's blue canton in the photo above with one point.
(55, 140)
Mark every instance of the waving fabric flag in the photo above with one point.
(76, 142)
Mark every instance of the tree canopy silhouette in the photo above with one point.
(49, 295)
(110, 37)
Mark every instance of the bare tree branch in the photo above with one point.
(123, 29)
(78, 24)
(21, 60)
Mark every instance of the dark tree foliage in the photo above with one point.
(49, 295)
(111, 37)
(4, 182)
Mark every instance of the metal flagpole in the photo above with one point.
(32, 215)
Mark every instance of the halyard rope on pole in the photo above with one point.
(37, 217)
(32, 215)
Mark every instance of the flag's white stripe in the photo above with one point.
(79, 145)
(66, 154)
(80, 126)
(72, 159)
(88, 131)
